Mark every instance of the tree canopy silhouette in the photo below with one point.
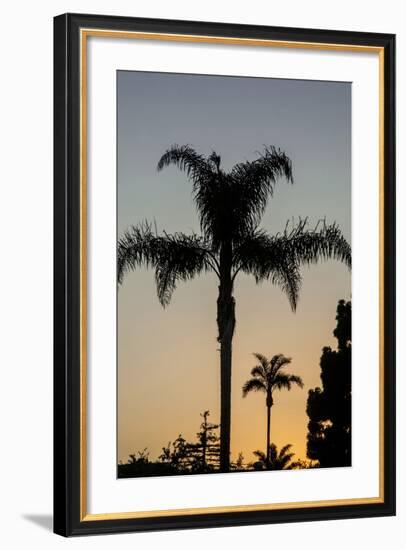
(267, 377)
(230, 206)
(329, 407)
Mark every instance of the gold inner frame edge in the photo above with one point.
(173, 37)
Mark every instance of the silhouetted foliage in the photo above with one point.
(329, 407)
(275, 460)
(303, 464)
(202, 456)
(179, 456)
(199, 457)
(230, 206)
(238, 465)
(175, 454)
(267, 377)
(140, 465)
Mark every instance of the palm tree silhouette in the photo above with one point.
(275, 460)
(230, 206)
(267, 377)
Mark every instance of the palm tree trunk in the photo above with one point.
(268, 434)
(225, 324)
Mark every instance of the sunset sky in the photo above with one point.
(168, 360)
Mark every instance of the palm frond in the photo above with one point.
(296, 380)
(209, 188)
(175, 257)
(285, 449)
(259, 372)
(278, 362)
(188, 160)
(263, 361)
(182, 258)
(253, 384)
(281, 381)
(264, 257)
(252, 184)
(278, 258)
(139, 246)
(306, 246)
(284, 461)
(280, 460)
(260, 455)
(230, 205)
(277, 460)
(286, 381)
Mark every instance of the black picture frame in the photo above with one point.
(67, 352)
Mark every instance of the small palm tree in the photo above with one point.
(267, 377)
(275, 460)
(230, 206)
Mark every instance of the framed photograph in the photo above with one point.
(224, 274)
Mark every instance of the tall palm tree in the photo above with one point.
(267, 377)
(230, 206)
(281, 460)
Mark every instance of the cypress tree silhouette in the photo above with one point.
(329, 407)
(230, 206)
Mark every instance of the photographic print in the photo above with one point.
(234, 274)
(224, 320)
